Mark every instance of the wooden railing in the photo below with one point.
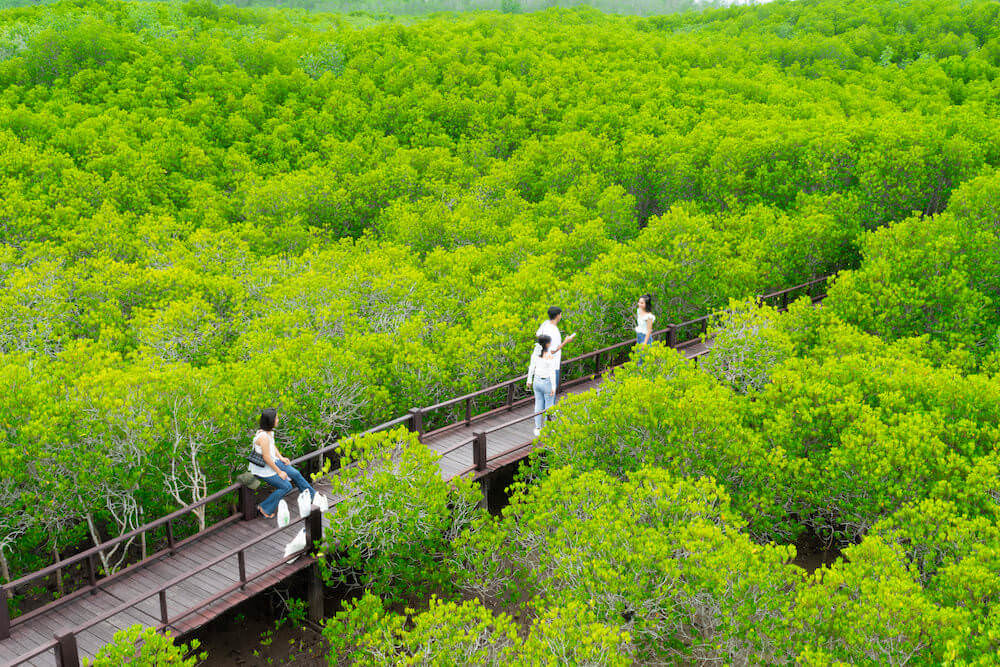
(65, 645)
(679, 336)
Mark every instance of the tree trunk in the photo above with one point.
(97, 540)
(59, 576)
(4, 568)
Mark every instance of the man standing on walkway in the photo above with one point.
(550, 328)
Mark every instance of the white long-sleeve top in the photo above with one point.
(552, 331)
(542, 367)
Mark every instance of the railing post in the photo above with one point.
(417, 421)
(91, 574)
(597, 365)
(510, 396)
(4, 614)
(671, 335)
(241, 561)
(759, 298)
(67, 654)
(170, 536)
(246, 503)
(479, 450)
(314, 533)
(468, 411)
(784, 301)
(314, 527)
(163, 608)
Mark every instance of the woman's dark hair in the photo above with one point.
(267, 419)
(543, 342)
(648, 299)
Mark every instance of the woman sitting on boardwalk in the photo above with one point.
(276, 469)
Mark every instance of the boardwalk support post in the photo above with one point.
(314, 533)
(479, 459)
(510, 396)
(247, 503)
(92, 574)
(671, 335)
(241, 562)
(416, 422)
(479, 451)
(67, 654)
(171, 543)
(4, 614)
(164, 618)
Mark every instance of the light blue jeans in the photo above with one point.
(283, 486)
(543, 398)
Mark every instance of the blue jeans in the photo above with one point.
(640, 339)
(543, 399)
(283, 486)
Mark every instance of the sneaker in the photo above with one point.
(537, 432)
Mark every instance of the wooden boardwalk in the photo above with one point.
(457, 459)
(200, 578)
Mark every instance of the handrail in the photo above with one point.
(54, 644)
(479, 392)
(51, 645)
(512, 422)
(786, 290)
(183, 577)
(132, 534)
(405, 419)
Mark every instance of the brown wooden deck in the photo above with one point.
(203, 585)
(202, 578)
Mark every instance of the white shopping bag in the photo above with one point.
(297, 544)
(321, 503)
(283, 516)
(304, 503)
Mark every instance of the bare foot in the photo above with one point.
(263, 513)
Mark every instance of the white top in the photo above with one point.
(642, 319)
(542, 368)
(552, 331)
(263, 471)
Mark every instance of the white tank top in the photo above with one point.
(263, 471)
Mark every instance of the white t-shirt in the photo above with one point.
(641, 319)
(552, 331)
(542, 368)
(263, 471)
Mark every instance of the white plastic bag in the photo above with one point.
(321, 502)
(283, 516)
(304, 503)
(297, 544)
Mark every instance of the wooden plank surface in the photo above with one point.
(504, 446)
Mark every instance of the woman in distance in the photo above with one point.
(276, 469)
(644, 320)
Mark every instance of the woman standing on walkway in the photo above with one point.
(644, 320)
(267, 463)
(542, 378)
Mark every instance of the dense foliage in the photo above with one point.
(207, 210)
